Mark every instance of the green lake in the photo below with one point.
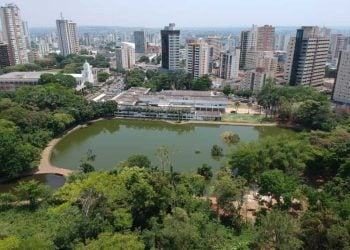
(115, 140)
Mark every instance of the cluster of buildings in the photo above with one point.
(245, 61)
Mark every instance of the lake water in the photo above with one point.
(113, 141)
(54, 181)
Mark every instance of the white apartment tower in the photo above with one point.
(341, 90)
(306, 57)
(67, 35)
(197, 59)
(13, 34)
(125, 55)
(229, 64)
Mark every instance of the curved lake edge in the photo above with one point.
(46, 167)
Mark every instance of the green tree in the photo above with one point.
(86, 162)
(277, 230)
(202, 83)
(217, 151)
(141, 161)
(144, 59)
(31, 191)
(276, 183)
(117, 241)
(315, 115)
(102, 76)
(227, 90)
(206, 171)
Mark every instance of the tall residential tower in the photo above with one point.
(341, 91)
(13, 34)
(140, 41)
(170, 47)
(67, 35)
(307, 55)
(197, 62)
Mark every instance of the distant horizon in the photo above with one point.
(186, 13)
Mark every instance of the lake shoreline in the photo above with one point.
(46, 167)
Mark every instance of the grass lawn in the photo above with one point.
(246, 118)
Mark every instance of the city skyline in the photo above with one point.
(223, 13)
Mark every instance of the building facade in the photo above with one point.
(4, 55)
(248, 43)
(197, 60)
(67, 36)
(339, 42)
(254, 80)
(265, 38)
(140, 41)
(170, 48)
(125, 55)
(13, 34)
(307, 56)
(341, 90)
(229, 64)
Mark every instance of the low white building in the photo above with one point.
(13, 80)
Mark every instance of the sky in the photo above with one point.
(186, 13)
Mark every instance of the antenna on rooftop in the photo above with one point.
(62, 16)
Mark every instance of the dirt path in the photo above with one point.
(45, 166)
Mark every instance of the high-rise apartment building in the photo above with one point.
(306, 56)
(248, 43)
(197, 57)
(265, 38)
(170, 47)
(229, 64)
(254, 80)
(125, 55)
(140, 41)
(26, 34)
(341, 90)
(13, 34)
(4, 55)
(67, 35)
(215, 47)
(339, 42)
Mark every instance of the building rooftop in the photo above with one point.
(22, 75)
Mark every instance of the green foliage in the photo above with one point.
(276, 183)
(277, 230)
(115, 241)
(217, 151)
(141, 161)
(21, 67)
(102, 76)
(144, 59)
(86, 162)
(287, 154)
(31, 191)
(206, 171)
(227, 90)
(229, 137)
(63, 79)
